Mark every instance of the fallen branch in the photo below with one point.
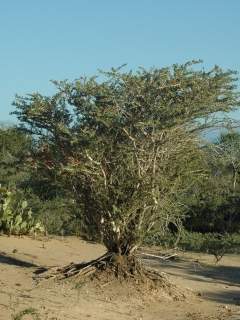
(159, 257)
(72, 269)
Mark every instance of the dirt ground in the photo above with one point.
(213, 292)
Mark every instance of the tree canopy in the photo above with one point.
(125, 144)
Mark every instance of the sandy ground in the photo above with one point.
(213, 292)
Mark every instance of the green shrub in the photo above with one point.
(16, 216)
(213, 243)
(60, 216)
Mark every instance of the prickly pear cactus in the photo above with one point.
(16, 216)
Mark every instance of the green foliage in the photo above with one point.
(214, 204)
(125, 148)
(15, 214)
(14, 149)
(213, 243)
(60, 216)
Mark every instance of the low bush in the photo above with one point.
(213, 243)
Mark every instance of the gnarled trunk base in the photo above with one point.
(112, 268)
(121, 266)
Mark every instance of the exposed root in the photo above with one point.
(73, 269)
(110, 268)
(120, 266)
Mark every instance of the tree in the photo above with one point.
(126, 145)
(228, 150)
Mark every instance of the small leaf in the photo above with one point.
(24, 204)
(18, 220)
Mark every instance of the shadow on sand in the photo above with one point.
(227, 276)
(6, 259)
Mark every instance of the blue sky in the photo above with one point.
(56, 39)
